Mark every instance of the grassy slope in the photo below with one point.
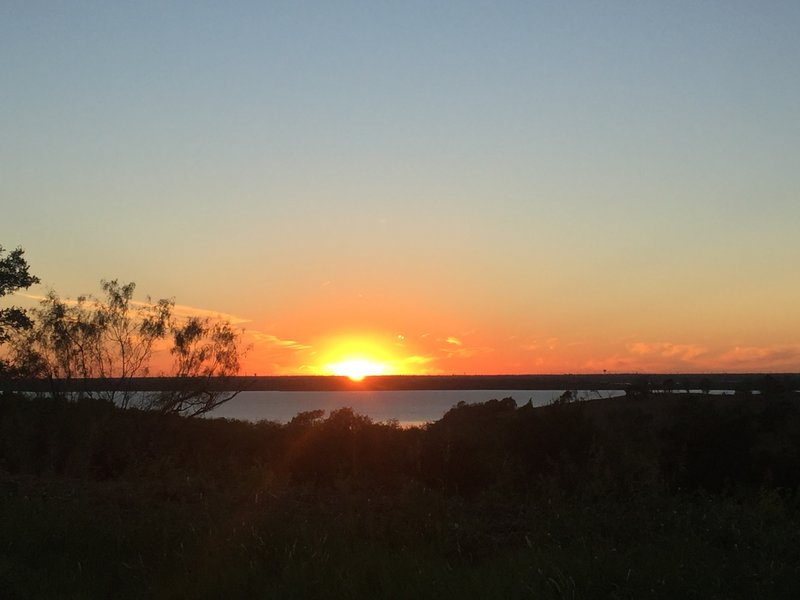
(95, 503)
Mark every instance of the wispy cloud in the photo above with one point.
(183, 310)
(465, 351)
(36, 297)
(455, 347)
(417, 364)
(611, 363)
(179, 310)
(764, 356)
(667, 350)
(269, 339)
(539, 345)
(417, 360)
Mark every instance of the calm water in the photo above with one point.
(407, 407)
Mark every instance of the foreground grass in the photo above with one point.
(70, 540)
(178, 526)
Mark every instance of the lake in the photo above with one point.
(408, 407)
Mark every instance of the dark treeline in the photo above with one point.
(623, 445)
(632, 382)
(659, 495)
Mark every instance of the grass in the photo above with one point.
(180, 518)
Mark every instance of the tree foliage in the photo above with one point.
(14, 275)
(111, 337)
(114, 338)
(202, 349)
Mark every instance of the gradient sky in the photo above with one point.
(445, 187)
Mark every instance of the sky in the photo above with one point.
(431, 187)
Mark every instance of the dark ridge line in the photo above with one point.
(325, 383)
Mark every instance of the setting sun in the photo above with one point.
(358, 356)
(357, 368)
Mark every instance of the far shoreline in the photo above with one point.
(332, 383)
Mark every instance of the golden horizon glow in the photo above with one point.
(501, 237)
(357, 357)
(356, 369)
(453, 350)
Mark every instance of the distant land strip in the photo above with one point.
(322, 383)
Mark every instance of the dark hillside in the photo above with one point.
(682, 441)
(649, 496)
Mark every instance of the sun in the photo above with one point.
(357, 368)
(357, 357)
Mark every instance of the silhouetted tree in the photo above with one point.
(743, 388)
(768, 384)
(14, 275)
(114, 337)
(306, 419)
(108, 338)
(639, 387)
(566, 397)
(203, 349)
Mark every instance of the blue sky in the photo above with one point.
(605, 174)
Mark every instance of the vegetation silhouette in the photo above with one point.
(580, 498)
(112, 339)
(14, 276)
(115, 494)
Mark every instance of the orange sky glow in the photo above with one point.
(535, 188)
